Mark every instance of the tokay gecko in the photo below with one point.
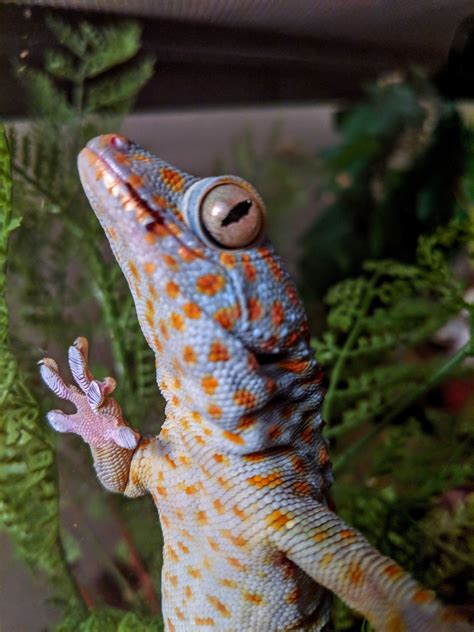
(240, 472)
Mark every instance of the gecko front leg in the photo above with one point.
(98, 418)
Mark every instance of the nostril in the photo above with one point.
(120, 142)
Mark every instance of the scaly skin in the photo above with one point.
(240, 471)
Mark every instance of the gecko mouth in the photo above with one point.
(105, 172)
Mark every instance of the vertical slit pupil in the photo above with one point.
(237, 212)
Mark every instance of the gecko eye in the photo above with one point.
(232, 216)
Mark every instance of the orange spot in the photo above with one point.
(237, 540)
(133, 270)
(244, 398)
(183, 547)
(295, 366)
(220, 458)
(218, 506)
(150, 238)
(135, 181)
(171, 627)
(203, 621)
(210, 284)
(188, 355)
(150, 313)
(237, 564)
(298, 464)
(213, 544)
(355, 574)
(194, 572)
(188, 593)
(149, 267)
(201, 518)
(394, 623)
(122, 159)
(235, 438)
(173, 580)
(394, 571)
(172, 554)
(239, 513)
(326, 560)
(319, 536)
(422, 596)
(323, 456)
(170, 461)
(190, 490)
(172, 289)
(253, 598)
(186, 254)
(227, 260)
(266, 481)
(177, 321)
(347, 534)
(173, 179)
(179, 614)
(255, 308)
(209, 384)
(218, 352)
(250, 272)
(159, 230)
(293, 596)
(226, 316)
(255, 457)
(160, 200)
(175, 400)
(228, 583)
(223, 482)
(170, 261)
(278, 519)
(192, 310)
(214, 411)
(302, 487)
(218, 605)
(164, 329)
(161, 490)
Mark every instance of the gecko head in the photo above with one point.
(192, 249)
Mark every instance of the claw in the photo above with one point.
(52, 379)
(77, 355)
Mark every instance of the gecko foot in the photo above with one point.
(98, 417)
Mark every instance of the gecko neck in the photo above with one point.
(289, 418)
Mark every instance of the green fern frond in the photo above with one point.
(29, 501)
(117, 94)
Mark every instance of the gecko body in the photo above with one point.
(240, 472)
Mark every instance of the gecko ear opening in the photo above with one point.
(225, 212)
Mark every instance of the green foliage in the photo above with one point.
(29, 498)
(391, 177)
(382, 369)
(84, 61)
(109, 620)
(85, 85)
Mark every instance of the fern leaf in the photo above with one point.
(110, 46)
(29, 510)
(116, 95)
